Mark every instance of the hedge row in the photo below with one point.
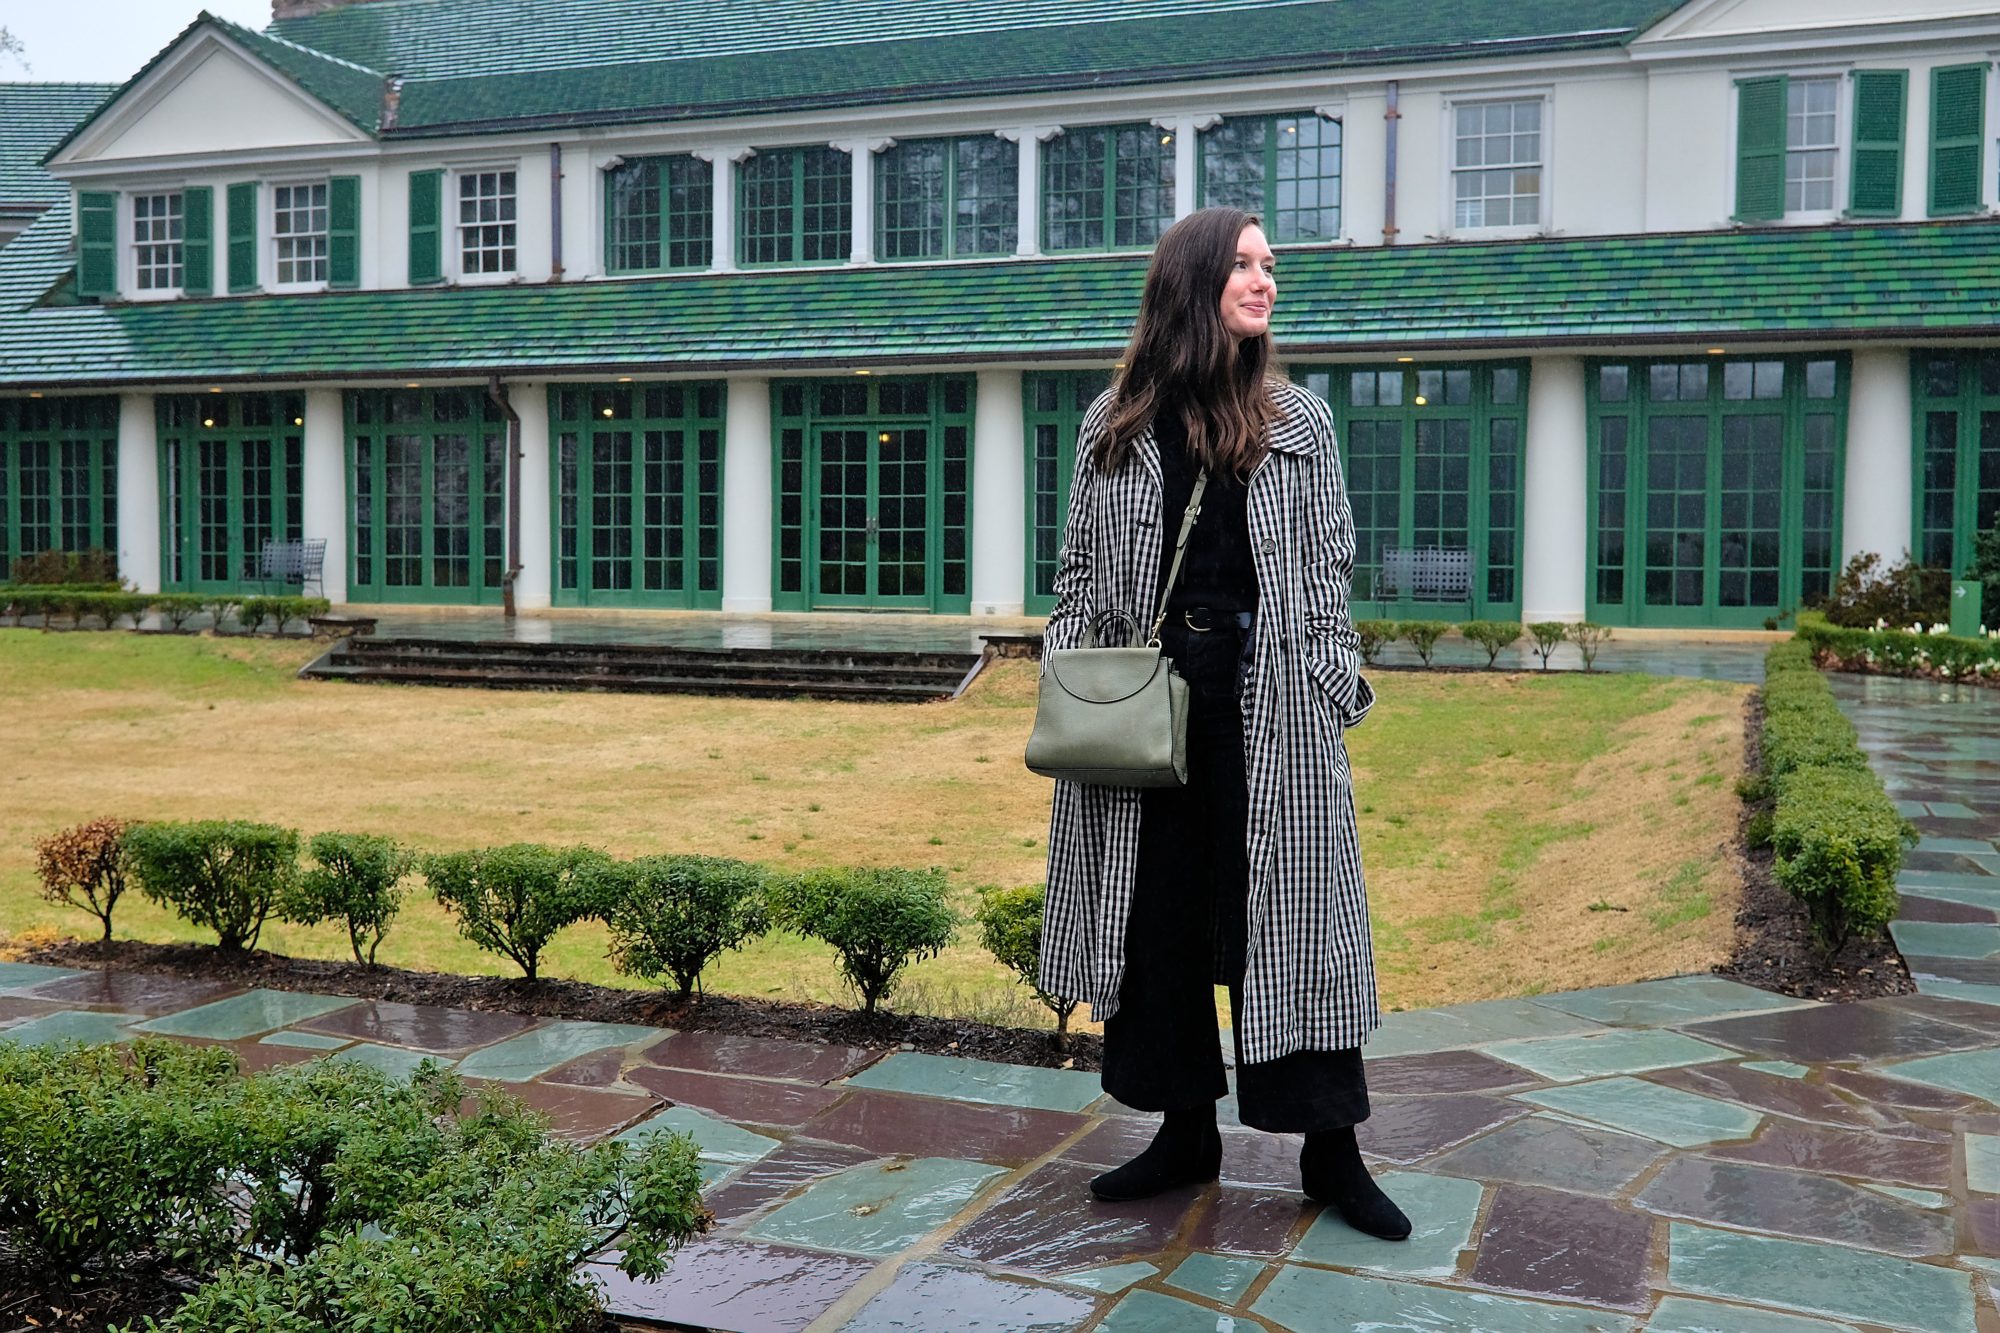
(326, 1197)
(108, 606)
(1495, 636)
(1901, 652)
(670, 917)
(1836, 835)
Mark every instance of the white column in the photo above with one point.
(536, 583)
(999, 496)
(325, 483)
(1028, 184)
(746, 497)
(138, 492)
(1184, 129)
(1877, 500)
(722, 201)
(861, 160)
(1554, 523)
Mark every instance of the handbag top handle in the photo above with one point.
(1180, 551)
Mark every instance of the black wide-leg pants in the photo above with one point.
(1188, 929)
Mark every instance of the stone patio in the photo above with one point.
(1677, 1155)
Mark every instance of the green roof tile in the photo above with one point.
(1822, 283)
(33, 116)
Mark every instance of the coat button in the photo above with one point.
(1270, 545)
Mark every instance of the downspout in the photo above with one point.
(1391, 116)
(555, 213)
(497, 393)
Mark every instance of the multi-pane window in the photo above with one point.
(1285, 169)
(795, 205)
(486, 222)
(937, 198)
(1812, 146)
(1496, 176)
(659, 214)
(1107, 187)
(299, 233)
(156, 241)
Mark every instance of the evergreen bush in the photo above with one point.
(674, 915)
(1903, 594)
(94, 568)
(1010, 927)
(355, 879)
(1423, 635)
(878, 921)
(1495, 636)
(1839, 843)
(84, 867)
(512, 900)
(1548, 636)
(1589, 638)
(1375, 635)
(225, 875)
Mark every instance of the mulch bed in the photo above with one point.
(1774, 943)
(551, 998)
(98, 1301)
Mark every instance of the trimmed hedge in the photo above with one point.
(107, 606)
(878, 921)
(1900, 652)
(513, 900)
(225, 874)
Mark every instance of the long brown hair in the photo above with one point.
(1182, 357)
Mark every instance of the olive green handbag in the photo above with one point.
(1117, 717)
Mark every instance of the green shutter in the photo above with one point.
(343, 231)
(243, 236)
(426, 227)
(197, 240)
(1760, 148)
(1958, 132)
(97, 244)
(1881, 99)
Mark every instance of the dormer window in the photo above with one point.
(299, 233)
(156, 241)
(486, 223)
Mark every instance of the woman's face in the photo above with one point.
(1252, 288)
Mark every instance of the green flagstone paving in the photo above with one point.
(20, 976)
(1679, 1314)
(1821, 1279)
(718, 1140)
(878, 1210)
(81, 1025)
(1110, 1277)
(308, 1041)
(1944, 940)
(1982, 1163)
(1155, 1312)
(541, 1049)
(1974, 1073)
(982, 1081)
(1219, 1277)
(1304, 1298)
(1442, 1210)
(1782, 1068)
(392, 1060)
(1684, 1119)
(1565, 1059)
(245, 1015)
(1672, 1000)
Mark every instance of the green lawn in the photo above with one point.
(1522, 832)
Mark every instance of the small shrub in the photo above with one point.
(1839, 843)
(84, 867)
(179, 607)
(1757, 832)
(1375, 635)
(878, 921)
(1589, 639)
(1495, 636)
(280, 611)
(1905, 593)
(1752, 788)
(674, 915)
(221, 609)
(92, 568)
(1010, 927)
(356, 879)
(225, 875)
(512, 900)
(1794, 654)
(1423, 635)
(1548, 636)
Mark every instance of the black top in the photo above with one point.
(1218, 572)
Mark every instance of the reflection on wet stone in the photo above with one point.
(1048, 1222)
(927, 1296)
(736, 1284)
(1549, 1243)
(1768, 1092)
(1865, 1031)
(889, 1123)
(423, 1027)
(1442, 1071)
(1407, 1129)
(133, 992)
(755, 1101)
(1836, 1152)
(764, 1057)
(1787, 1203)
(773, 1177)
(1250, 1222)
(1541, 1150)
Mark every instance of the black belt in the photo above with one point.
(1202, 619)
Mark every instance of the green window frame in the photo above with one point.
(1107, 187)
(58, 476)
(426, 496)
(1875, 182)
(1432, 455)
(659, 214)
(947, 198)
(1714, 487)
(1958, 139)
(637, 504)
(872, 506)
(1955, 454)
(1284, 168)
(1053, 405)
(231, 470)
(795, 206)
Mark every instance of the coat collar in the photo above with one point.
(1291, 433)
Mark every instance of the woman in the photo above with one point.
(1250, 876)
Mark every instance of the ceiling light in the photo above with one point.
(1422, 401)
(35, 394)
(208, 421)
(624, 379)
(883, 438)
(607, 411)
(1715, 351)
(864, 372)
(215, 391)
(298, 421)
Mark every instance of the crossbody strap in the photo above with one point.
(1180, 551)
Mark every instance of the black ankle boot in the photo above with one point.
(1186, 1151)
(1335, 1175)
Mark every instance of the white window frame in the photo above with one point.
(1448, 161)
(268, 225)
(455, 259)
(129, 230)
(1843, 144)
(1843, 141)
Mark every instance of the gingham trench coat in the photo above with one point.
(1309, 981)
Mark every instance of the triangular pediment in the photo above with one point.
(1709, 19)
(206, 94)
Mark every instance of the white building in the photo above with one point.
(1655, 311)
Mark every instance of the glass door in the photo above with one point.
(874, 517)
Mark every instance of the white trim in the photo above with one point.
(1448, 228)
(454, 257)
(267, 236)
(128, 246)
